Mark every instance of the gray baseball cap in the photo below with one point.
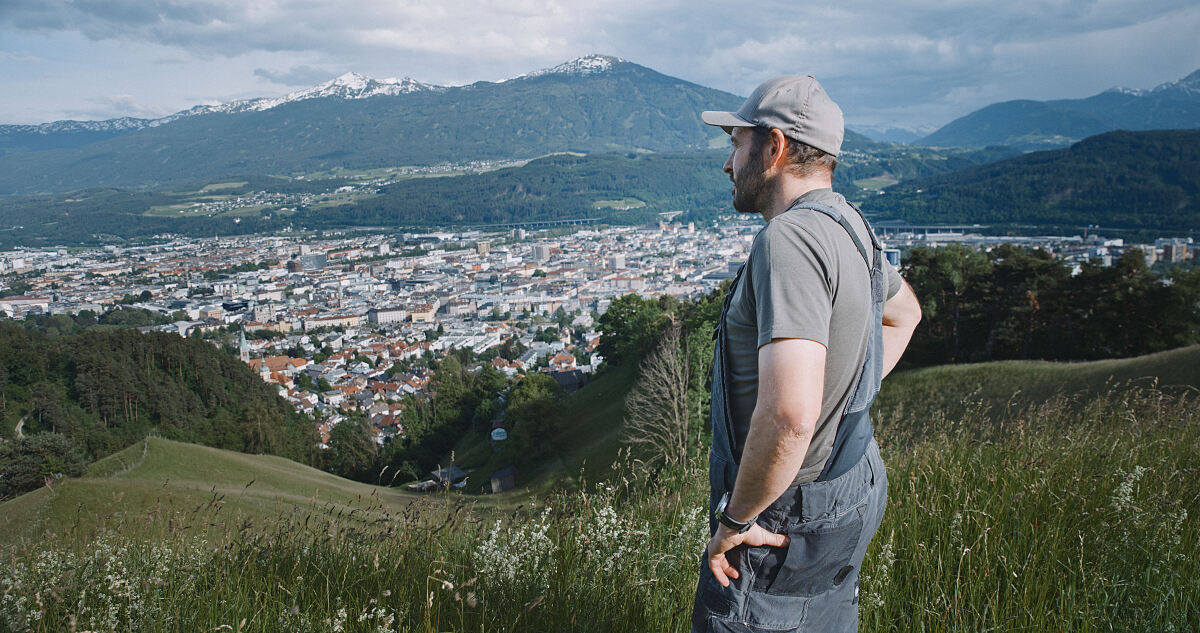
(795, 104)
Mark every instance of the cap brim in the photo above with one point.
(724, 120)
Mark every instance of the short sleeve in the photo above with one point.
(793, 291)
(892, 277)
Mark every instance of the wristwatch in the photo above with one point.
(741, 527)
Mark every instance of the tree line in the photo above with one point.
(1018, 303)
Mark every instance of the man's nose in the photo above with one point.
(728, 167)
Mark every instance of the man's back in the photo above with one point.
(804, 278)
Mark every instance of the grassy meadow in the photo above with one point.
(1070, 506)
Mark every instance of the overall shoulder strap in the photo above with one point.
(873, 260)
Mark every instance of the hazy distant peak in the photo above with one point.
(1189, 85)
(118, 124)
(1122, 90)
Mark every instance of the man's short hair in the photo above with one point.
(802, 159)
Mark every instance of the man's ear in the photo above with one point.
(777, 148)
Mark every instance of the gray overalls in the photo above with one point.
(812, 584)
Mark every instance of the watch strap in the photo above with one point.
(741, 527)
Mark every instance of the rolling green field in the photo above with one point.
(1022, 497)
(150, 484)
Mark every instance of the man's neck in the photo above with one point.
(789, 188)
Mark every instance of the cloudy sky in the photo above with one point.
(889, 62)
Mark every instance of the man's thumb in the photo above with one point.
(776, 540)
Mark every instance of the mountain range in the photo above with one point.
(591, 104)
(638, 130)
(1033, 125)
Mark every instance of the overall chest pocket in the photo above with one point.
(816, 560)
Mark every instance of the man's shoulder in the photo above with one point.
(806, 226)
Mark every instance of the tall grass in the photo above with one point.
(1067, 515)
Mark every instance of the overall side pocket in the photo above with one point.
(815, 559)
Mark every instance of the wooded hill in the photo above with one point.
(1145, 180)
(103, 390)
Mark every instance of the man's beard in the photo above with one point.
(747, 189)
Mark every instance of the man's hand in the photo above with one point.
(726, 539)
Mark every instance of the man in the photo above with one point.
(814, 320)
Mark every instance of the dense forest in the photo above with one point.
(101, 390)
(1120, 179)
(1016, 303)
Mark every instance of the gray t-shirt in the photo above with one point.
(804, 278)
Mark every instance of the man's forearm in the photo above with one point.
(901, 314)
(791, 381)
(774, 452)
(895, 341)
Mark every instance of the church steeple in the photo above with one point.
(243, 348)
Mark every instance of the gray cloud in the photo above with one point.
(295, 76)
(6, 56)
(923, 61)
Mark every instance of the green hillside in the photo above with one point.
(1145, 180)
(1069, 515)
(552, 187)
(991, 391)
(102, 389)
(584, 448)
(158, 481)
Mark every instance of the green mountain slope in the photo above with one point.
(1118, 179)
(107, 389)
(627, 107)
(553, 187)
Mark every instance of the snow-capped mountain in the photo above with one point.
(586, 65)
(351, 85)
(123, 124)
(1189, 85)
(594, 103)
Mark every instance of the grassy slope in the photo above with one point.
(163, 480)
(590, 438)
(993, 388)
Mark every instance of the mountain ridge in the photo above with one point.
(591, 104)
(348, 85)
(1034, 125)
(1122, 179)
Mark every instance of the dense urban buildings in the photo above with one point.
(337, 320)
